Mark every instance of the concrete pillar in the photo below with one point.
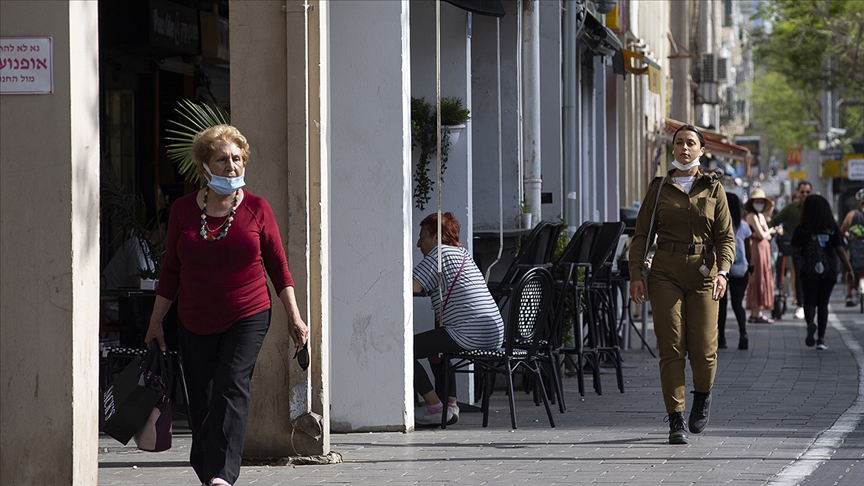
(49, 258)
(551, 103)
(372, 236)
(531, 155)
(276, 104)
(679, 68)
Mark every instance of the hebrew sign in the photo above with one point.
(26, 65)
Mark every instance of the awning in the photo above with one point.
(492, 8)
(715, 143)
(649, 67)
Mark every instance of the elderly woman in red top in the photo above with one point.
(220, 241)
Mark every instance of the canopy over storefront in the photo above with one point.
(715, 143)
(492, 8)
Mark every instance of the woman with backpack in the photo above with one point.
(819, 241)
(738, 277)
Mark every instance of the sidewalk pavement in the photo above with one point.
(771, 403)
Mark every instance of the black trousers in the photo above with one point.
(736, 291)
(428, 343)
(799, 289)
(817, 293)
(218, 371)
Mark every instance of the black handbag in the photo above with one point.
(128, 402)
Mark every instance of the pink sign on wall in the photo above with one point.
(26, 65)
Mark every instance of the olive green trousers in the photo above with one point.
(685, 324)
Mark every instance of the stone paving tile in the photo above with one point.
(770, 402)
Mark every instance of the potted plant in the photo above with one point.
(423, 136)
(525, 213)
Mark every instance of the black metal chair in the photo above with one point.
(537, 251)
(572, 268)
(601, 306)
(529, 303)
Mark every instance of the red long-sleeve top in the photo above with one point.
(221, 282)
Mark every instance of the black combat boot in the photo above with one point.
(677, 430)
(700, 411)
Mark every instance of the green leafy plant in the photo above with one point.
(423, 136)
(452, 111)
(524, 207)
(199, 117)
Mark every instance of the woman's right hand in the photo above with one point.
(154, 331)
(637, 291)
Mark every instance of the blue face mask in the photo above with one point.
(225, 185)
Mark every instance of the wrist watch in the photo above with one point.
(723, 274)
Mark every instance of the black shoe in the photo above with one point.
(721, 343)
(677, 430)
(810, 340)
(700, 411)
(743, 342)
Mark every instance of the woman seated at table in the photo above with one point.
(466, 318)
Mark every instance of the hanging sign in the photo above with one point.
(855, 168)
(26, 65)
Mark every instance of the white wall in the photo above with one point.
(485, 116)
(49, 257)
(372, 235)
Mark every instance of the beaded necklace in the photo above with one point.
(227, 223)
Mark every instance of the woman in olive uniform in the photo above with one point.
(695, 248)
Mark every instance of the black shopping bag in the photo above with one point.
(127, 403)
(155, 434)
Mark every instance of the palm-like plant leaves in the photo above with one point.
(199, 117)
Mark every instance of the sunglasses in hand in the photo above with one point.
(302, 356)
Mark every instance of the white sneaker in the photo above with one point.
(452, 413)
(822, 346)
(799, 313)
(421, 417)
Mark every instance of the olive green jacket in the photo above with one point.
(790, 214)
(699, 218)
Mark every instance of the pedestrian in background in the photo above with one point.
(853, 229)
(738, 277)
(819, 240)
(760, 289)
(790, 216)
(695, 249)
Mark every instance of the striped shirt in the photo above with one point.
(471, 317)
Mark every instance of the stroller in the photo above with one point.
(784, 249)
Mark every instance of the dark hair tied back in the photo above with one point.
(690, 128)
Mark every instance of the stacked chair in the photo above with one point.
(536, 252)
(575, 265)
(601, 301)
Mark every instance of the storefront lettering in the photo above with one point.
(182, 32)
(8, 63)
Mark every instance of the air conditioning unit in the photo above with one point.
(709, 68)
(722, 69)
